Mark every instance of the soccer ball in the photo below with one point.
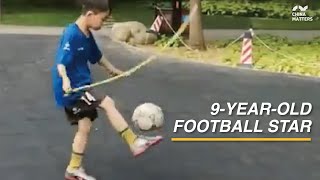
(147, 117)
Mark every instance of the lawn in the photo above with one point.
(142, 13)
(38, 16)
(286, 56)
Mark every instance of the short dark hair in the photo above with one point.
(95, 6)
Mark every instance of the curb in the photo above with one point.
(41, 30)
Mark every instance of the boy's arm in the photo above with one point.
(109, 67)
(65, 79)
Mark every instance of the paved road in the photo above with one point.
(35, 139)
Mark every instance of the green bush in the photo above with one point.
(163, 40)
(263, 9)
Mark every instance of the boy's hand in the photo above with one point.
(115, 72)
(66, 85)
(111, 70)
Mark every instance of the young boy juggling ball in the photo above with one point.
(77, 48)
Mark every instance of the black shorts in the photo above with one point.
(85, 107)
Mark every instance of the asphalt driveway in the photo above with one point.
(35, 140)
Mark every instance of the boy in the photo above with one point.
(76, 49)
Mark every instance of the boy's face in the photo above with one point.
(95, 20)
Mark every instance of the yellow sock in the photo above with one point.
(128, 135)
(75, 161)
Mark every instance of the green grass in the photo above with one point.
(289, 56)
(133, 12)
(142, 13)
(286, 56)
(39, 16)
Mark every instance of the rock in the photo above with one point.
(132, 32)
(121, 34)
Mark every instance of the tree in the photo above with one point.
(0, 11)
(196, 38)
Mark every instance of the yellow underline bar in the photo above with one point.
(241, 139)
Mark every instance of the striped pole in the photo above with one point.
(155, 27)
(246, 52)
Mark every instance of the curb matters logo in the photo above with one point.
(299, 14)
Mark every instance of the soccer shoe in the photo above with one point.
(78, 174)
(142, 143)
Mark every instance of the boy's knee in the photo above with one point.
(107, 102)
(84, 126)
(81, 137)
(80, 141)
(84, 130)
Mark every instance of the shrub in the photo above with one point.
(263, 9)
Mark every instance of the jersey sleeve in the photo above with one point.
(67, 50)
(96, 54)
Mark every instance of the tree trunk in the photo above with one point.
(0, 11)
(177, 14)
(196, 38)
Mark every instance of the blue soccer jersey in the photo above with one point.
(75, 51)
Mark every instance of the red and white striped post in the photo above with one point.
(155, 27)
(246, 52)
